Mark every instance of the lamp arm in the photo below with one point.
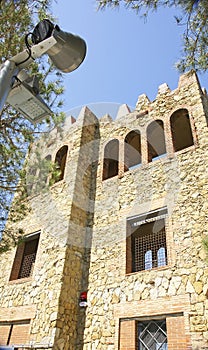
(24, 58)
(10, 68)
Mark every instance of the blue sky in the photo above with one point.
(125, 57)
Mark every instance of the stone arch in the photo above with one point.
(111, 159)
(132, 149)
(181, 129)
(155, 139)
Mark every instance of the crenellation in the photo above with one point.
(123, 111)
(124, 224)
(163, 89)
(143, 103)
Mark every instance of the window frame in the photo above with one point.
(136, 227)
(11, 329)
(20, 256)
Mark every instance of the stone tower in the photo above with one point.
(124, 224)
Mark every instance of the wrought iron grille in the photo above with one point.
(149, 247)
(28, 259)
(152, 335)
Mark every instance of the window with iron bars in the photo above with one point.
(25, 257)
(146, 242)
(152, 335)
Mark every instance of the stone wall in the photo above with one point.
(83, 224)
(50, 297)
(178, 181)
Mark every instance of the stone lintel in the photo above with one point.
(17, 313)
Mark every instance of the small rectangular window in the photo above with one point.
(146, 241)
(25, 257)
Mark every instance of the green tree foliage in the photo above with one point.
(18, 18)
(194, 18)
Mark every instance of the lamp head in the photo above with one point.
(68, 52)
(24, 97)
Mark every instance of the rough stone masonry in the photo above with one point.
(125, 223)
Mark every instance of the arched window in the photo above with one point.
(161, 257)
(111, 154)
(60, 161)
(132, 149)
(181, 130)
(155, 139)
(148, 260)
(146, 246)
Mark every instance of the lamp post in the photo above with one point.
(66, 51)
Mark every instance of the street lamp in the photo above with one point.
(66, 51)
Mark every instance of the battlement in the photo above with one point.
(166, 100)
(122, 224)
(175, 121)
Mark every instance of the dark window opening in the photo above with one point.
(25, 258)
(155, 140)
(60, 161)
(147, 246)
(146, 242)
(132, 150)
(111, 155)
(152, 335)
(181, 130)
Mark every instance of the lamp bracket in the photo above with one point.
(24, 58)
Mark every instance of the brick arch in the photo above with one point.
(181, 131)
(132, 149)
(111, 159)
(155, 139)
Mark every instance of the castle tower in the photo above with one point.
(124, 224)
(42, 279)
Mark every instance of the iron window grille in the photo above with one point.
(146, 243)
(28, 259)
(25, 257)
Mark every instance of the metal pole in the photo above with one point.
(8, 71)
